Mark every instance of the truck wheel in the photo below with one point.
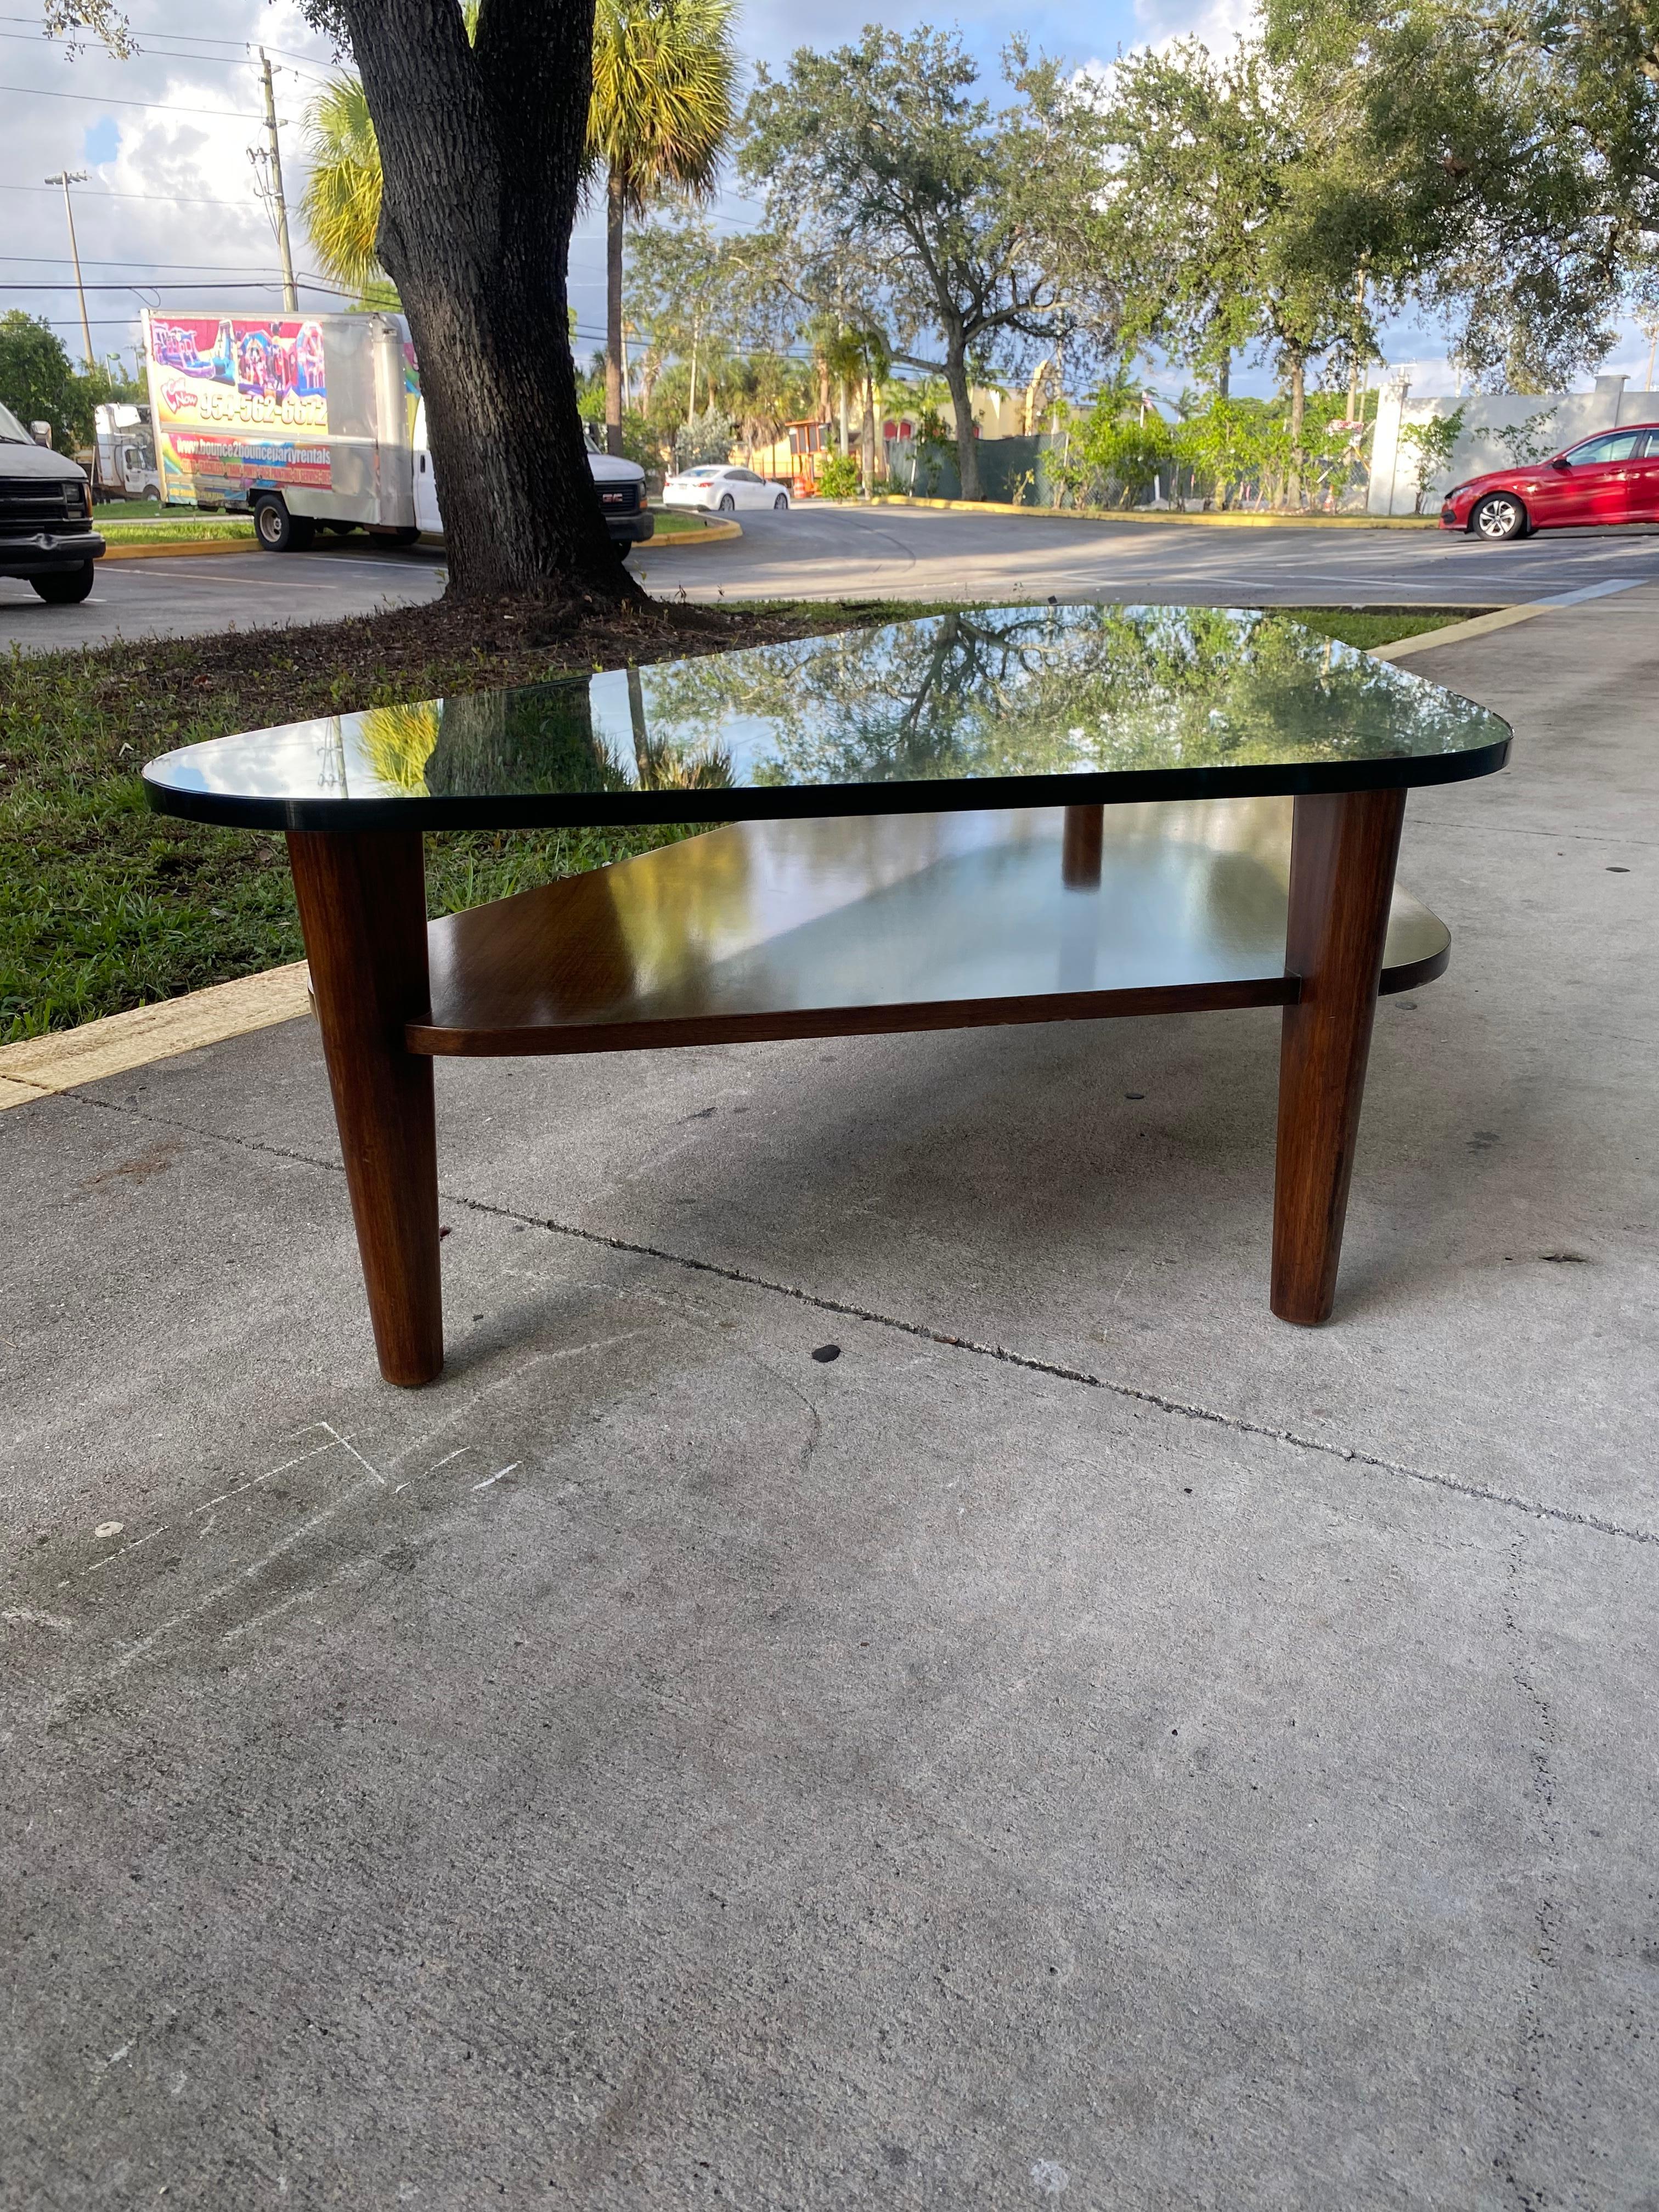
(277, 530)
(65, 587)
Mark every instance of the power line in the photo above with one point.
(152, 106)
(189, 54)
(201, 38)
(222, 284)
(126, 261)
(162, 199)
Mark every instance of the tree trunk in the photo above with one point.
(480, 152)
(1224, 374)
(1298, 408)
(613, 313)
(868, 440)
(956, 375)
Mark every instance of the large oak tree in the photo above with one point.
(483, 146)
(957, 223)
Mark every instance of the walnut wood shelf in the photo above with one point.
(883, 923)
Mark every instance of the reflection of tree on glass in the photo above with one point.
(669, 764)
(540, 738)
(1052, 691)
(398, 741)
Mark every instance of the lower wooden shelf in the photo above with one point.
(891, 922)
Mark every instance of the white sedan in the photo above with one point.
(715, 489)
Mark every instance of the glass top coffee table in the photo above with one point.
(1019, 814)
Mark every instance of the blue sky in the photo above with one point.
(170, 198)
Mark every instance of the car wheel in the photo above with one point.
(1500, 517)
(780, 504)
(277, 530)
(727, 503)
(65, 587)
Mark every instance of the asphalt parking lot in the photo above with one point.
(820, 552)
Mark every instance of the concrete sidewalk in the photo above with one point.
(1083, 1740)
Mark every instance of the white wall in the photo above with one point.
(1573, 415)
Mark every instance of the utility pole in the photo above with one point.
(270, 188)
(66, 178)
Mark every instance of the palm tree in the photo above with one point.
(665, 75)
(342, 199)
(341, 203)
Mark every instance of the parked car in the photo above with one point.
(718, 489)
(1611, 477)
(45, 517)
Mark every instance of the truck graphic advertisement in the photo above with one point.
(313, 422)
(233, 399)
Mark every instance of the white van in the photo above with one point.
(45, 517)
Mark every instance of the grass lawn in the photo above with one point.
(189, 529)
(105, 905)
(675, 522)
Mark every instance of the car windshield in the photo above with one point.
(702, 472)
(12, 431)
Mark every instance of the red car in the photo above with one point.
(1611, 477)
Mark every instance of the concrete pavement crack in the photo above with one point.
(1187, 1409)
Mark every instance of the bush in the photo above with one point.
(840, 478)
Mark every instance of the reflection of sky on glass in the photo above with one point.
(968, 695)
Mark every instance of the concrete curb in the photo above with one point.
(1141, 515)
(1455, 633)
(1501, 618)
(39, 1067)
(129, 550)
(712, 533)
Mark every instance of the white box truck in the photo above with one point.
(313, 422)
(121, 460)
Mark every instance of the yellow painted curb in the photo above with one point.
(1228, 521)
(712, 533)
(38, 1067)
(129, 550)
(1455, 633)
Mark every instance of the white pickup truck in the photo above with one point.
(311, 422)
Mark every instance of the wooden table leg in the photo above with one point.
(362, 907)
(1343, 849)
(1080, 847)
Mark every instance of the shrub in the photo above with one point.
(840, 478)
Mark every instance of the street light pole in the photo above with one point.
(278, 205)
(66, 178)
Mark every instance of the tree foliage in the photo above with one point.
(40, 384)
(1522, 138)
(943, 217)
(341, 203)
(665, 75)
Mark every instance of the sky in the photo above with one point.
(170, 205)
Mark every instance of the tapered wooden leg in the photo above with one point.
(1080, 846)
(362, 907)
(1343, 849)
